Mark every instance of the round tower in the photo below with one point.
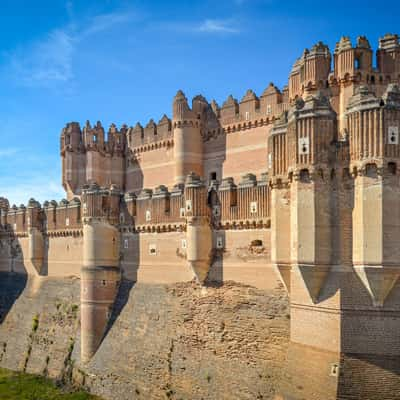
(188, 143)
(100, 274)
(198, 231)
(36, 240)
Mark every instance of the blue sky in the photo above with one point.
(123, 61)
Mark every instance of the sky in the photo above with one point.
(123, 61)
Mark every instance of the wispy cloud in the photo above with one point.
(44, 62)
(218, 26)
(209, 26)
(49, 61)
(100, 23)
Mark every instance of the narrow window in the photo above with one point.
(213, 176)
(392, 168)
(152, 249)
(148, 216)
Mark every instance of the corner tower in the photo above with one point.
(188, 142)
(100, 274)
(373, 125)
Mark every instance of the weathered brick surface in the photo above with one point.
(185, 342)
(40, 327)
(177, 341)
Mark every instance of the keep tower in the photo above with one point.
(188, 142)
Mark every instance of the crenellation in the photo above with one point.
(303, 181)
(229, 110)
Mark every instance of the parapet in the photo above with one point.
(101, 203)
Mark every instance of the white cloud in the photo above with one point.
(49, 61)
(104, 22)
(218, 26)
(44, 62)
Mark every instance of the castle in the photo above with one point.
(300, 184)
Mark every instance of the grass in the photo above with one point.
(20, 386)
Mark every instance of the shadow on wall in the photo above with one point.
(127, 282)
(213, 139)
(13, 275)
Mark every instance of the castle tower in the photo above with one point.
(310, 72)
(374, 126)
(198, 230)
(388, 56)
(188, 143)
(303, 241)
(100, 274)
(116, 142)
(73, 159)
(280, 200)
(352, 67)
(94, 142)
(35, 235)
(311, 130)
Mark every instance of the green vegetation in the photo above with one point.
(19, 386)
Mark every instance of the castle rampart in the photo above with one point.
(300, 185)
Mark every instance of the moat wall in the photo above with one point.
(164, 340)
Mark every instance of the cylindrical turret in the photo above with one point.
(198, 233)
(188, 143)
(36, 241)
(100, 273)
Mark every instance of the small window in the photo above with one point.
(393, 135)
(121, 218)
(220, 242)
(253, 207)
(269, 109)
(188, 205)
(152, 249)
(94, 138)
(303, 146)
(213, 176)
(67, 221)
(126, 243)
(148, 215)
(104, 282)
(182, 212)
(247, 115)
(334, 370)
(183, 244)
